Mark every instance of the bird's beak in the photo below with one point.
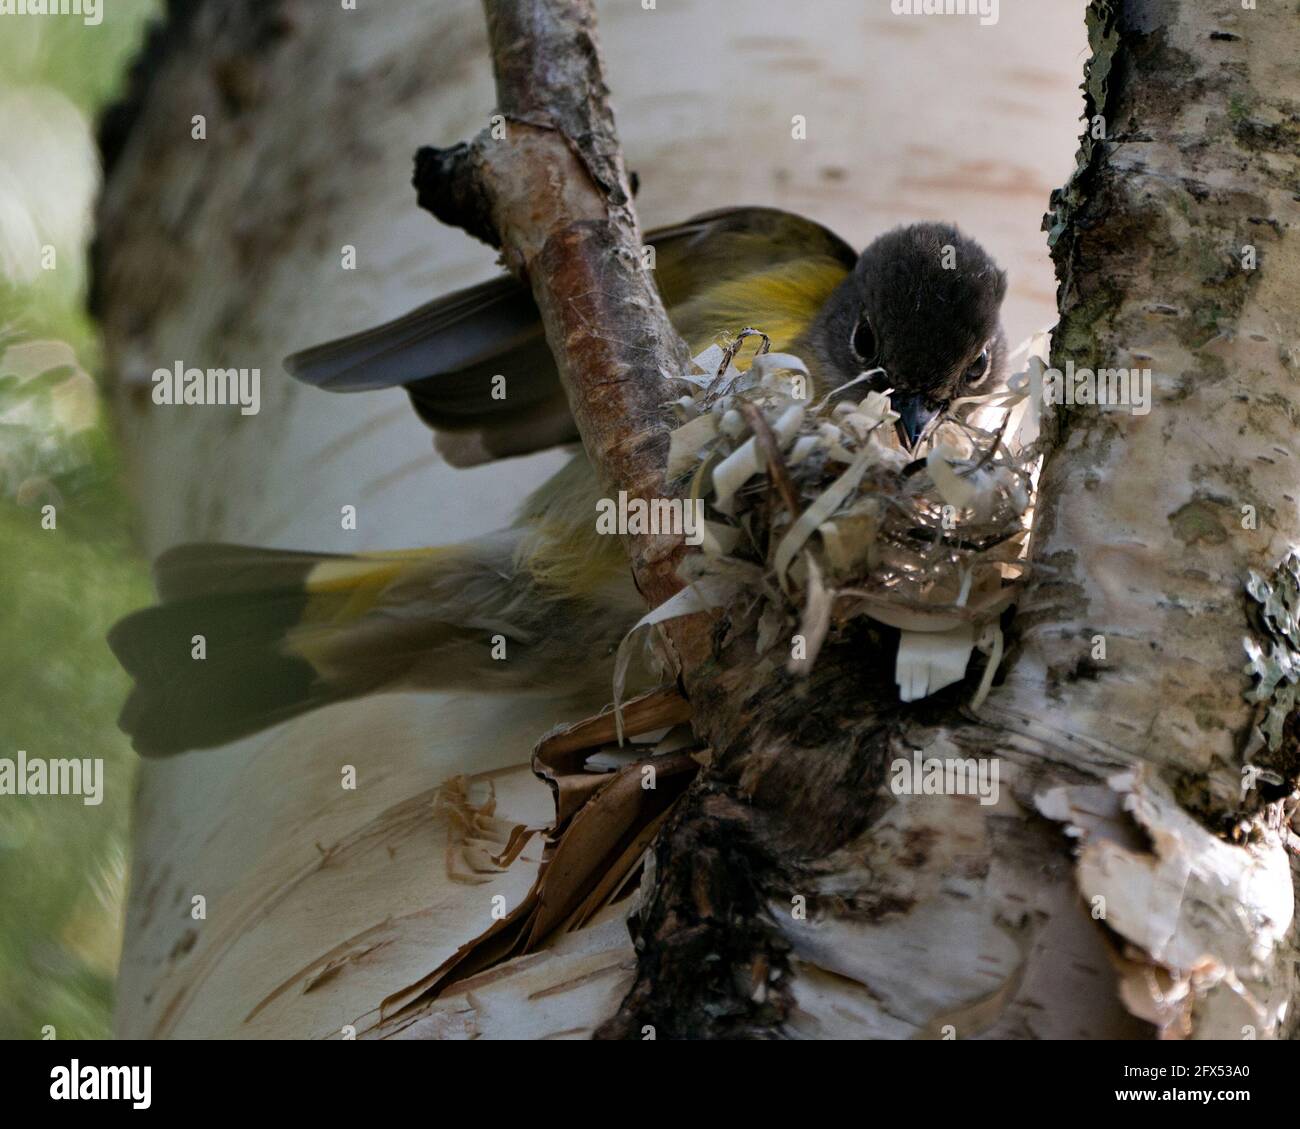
(913, 418)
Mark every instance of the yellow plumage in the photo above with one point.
(781, 301)
(341, 590)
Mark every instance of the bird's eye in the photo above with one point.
(979, 368)
(863, 343)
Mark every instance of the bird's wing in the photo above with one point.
(449, 353)
(454, 332)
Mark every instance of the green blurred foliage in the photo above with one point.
(62, 863)
(84, 63)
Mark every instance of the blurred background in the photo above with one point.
(62, 864)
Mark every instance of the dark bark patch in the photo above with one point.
(869, 907)
(1199, 522)
(918, 843)
(712, 962)
(1085, 670)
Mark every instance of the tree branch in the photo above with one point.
(553, 194)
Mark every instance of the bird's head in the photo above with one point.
(922, 304)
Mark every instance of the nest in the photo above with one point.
(813, 508)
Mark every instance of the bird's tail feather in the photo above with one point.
(244, 638)
(216, 659)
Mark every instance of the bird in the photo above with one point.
(540, 606)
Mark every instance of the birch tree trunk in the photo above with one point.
(1175, 251)
(323, 902)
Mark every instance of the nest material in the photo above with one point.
(815, 509)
